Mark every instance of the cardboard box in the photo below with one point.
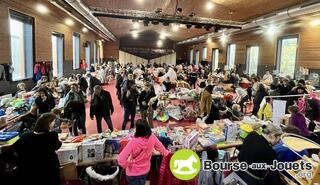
(68, 172)
(92, 151)
(231, 132)
(68, 153)
(191, 140)
(113, 145)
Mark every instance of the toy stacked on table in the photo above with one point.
(8, 137)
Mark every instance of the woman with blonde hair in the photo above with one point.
(21, 87)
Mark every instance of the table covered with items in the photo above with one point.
(13, 107)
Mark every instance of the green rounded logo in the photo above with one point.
(185, 164)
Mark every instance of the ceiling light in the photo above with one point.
(192, 14)
(315, 22)
(189, 26)
(216, 29)
(175, 27)
(135, 35)
(209, 40)
(223, 38)
(271, 30)
(159, 43)
(42, 9)
(209, 5)
(146, 22)
(166, 23)
(207, 27)
(158, 10)
(84, 30)
(136, 25)
(162, 35)
(140, 1)
(69, 22)
(155, 22)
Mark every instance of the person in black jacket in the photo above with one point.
(167, 84)
(260, 94)
(93, 81)
(129, 100)
(75, 109)
(82, 82)
(28, 120)
(144, 99)
(257, 148)
(35, 154)
(45, 101)
(119, 79)
(297, 90)
(192, 79)
(101, 107)
(284, 87)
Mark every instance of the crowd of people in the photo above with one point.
(38, 142)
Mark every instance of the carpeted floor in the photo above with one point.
(117, 116)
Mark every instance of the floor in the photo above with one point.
(118, 113)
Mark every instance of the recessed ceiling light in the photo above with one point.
(69, 22)
(223, 38)
(162, 35)
(315, 22)
(159, 43)
(135, 35)
(42, 9)
(175, 27)
(84, 30)
(209, 5)
(136, 25)
(271, 30)
(139, 1)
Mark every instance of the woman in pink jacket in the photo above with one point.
(135, 157)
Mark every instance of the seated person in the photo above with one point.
(233, 114)
(217, 106)
(28, 120)
(257, 148)
(21, 88)
(192, 79)
(299, 121)
(241, 97)
(59, 122)
(44, 101)
(166, 85)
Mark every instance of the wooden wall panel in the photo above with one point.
(111, 50)
(308, 47)
(44, 26)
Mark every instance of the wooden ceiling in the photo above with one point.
(243, 10)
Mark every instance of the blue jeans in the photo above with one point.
(128, 112)
(137, 180)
